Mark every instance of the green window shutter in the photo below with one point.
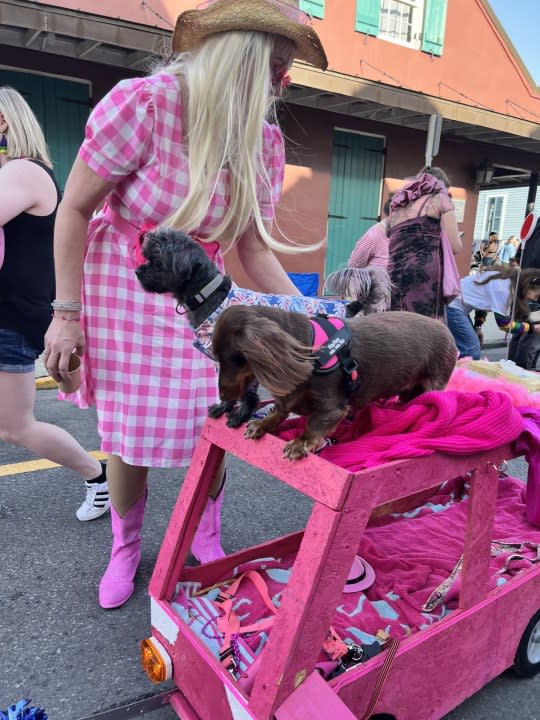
(315, 8)
(368, 16)
(434, 22)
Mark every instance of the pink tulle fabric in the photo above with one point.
(467, 381)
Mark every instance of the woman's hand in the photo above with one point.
(61, 339)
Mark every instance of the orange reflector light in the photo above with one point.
(155, 660)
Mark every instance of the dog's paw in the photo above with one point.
(218, 409)
(234, 420)
(254, 431)
(295, 450)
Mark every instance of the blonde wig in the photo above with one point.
(230, 91)
(25, 136)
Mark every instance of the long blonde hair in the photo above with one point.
(25, 136)
(230, 96)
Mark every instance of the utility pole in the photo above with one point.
(433, 138)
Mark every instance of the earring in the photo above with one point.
(3, 145)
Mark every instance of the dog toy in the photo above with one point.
(21, 711)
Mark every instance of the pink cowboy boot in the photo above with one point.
(117, 584)
(206, 545)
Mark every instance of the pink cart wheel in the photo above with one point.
(527, 659)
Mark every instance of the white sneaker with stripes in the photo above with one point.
(96, 502)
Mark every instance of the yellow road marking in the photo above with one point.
(46, 383)
(35, 465)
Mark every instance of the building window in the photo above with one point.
(315, 8)
(494, 213)
(419, 24)
(401, 21)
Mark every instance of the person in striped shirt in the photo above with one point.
(372, 247)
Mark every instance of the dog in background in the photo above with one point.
(275, 348)
(177, 264)
(367, 289)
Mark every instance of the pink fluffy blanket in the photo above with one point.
(413, 555)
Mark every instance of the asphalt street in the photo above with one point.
(73, 658)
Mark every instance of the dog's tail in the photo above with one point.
(369, 287)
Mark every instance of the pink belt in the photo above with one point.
(136, 235)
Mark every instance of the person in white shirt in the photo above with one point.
(494, 291)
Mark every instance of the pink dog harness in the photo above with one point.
(331, 342)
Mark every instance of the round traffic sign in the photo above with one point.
(528, 227)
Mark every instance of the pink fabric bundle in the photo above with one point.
(452, 422)
(425, 184)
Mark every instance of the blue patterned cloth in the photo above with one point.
(291, 303)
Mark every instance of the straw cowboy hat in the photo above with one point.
(268, 16)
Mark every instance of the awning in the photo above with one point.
(74, 34)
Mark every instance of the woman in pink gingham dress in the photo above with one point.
(201, 117)
(151, 387)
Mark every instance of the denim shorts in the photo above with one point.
(17, 355)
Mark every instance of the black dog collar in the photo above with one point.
(204, 293)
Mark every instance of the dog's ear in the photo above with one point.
(278, 361)
(380, 292)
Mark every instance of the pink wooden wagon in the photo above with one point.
(433, 670)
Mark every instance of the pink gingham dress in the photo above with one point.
(150, 386)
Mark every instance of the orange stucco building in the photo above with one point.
(353, 132)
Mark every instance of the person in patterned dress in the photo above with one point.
(418, 213)
(189, 146)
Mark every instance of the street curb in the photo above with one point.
(46, 383)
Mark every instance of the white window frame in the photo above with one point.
(500, 230)
(417, 26)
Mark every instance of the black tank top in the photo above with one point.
(27, 275)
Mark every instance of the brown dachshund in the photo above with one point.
(396, 353)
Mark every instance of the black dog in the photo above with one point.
(178, 265)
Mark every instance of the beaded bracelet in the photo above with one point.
(66, 305)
